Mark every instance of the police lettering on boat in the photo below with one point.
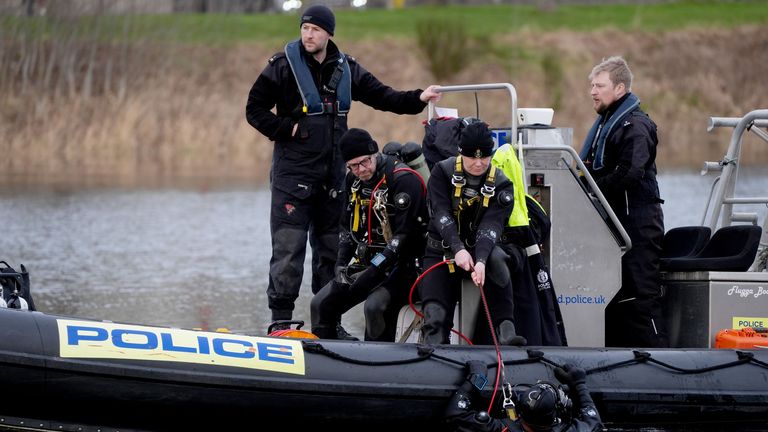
(89, 339)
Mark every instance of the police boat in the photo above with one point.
(68, 373)
(64, 373)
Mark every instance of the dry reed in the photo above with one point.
(83, 113)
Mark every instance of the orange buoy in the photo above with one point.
(746, 337)
(293, 333)
(283, 329)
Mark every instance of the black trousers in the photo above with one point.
(633, 318)
(382, 304)
(299, 213)
(442, 287)
(528, 319)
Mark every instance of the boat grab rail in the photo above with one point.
(716, 122)
(627, 245)
(722, 195)
(485, 87)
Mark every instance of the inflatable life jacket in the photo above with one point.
(340, 83)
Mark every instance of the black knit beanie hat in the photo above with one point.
(357, 142)
(476, 140)
(320, 16)
(539, 407)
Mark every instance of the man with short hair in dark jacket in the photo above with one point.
(311, 86)
(620, 154)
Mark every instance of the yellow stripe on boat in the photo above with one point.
(102, 340)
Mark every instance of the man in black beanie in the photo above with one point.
(381, 241)
(469, 202)
(311, 86)
(320, 16)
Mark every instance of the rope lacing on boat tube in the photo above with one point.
(646, 357)
(425, 352)
(743, 357)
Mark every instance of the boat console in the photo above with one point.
(709, 282)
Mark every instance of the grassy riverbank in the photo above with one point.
(354, 25)
(160, 99)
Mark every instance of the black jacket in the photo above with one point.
(406, 210)
(628, 178)
(312, 157)
(477, 235)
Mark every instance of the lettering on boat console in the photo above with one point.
(754, 322)
(736, 290)
(581, 299)
(92, 339)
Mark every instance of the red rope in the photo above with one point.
(469, 342)
(495, 345)
(421, 179)
(417, 312)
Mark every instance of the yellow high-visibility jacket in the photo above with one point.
(506, 160)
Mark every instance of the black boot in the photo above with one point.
(343, 334)
(278, 325)
(508, 335)
(433, 330)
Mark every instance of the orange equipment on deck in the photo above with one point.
(282, 329)
(746, 337)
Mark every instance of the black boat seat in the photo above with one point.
(731, 248)
(684, 241)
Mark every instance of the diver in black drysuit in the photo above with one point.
(542, 407)
(373, 267)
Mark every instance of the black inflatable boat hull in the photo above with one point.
(63, 373)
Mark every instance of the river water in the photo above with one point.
(194, 258)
